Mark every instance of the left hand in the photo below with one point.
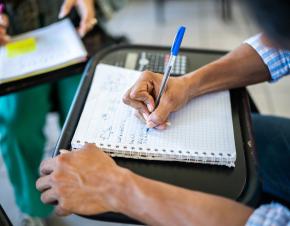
(87, 13)
(82, 182)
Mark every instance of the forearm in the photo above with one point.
(157, 203)
(241, 67)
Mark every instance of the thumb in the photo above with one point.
(159, 116)
(66, 8)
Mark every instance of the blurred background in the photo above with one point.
(211, 24)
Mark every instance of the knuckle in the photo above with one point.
(158, 119)
(133, 94)
(61, 159)
(55, 177)
(125, 99)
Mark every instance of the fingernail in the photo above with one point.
(82, 33)
(61, 14)
(150, 124)
(150, 107)
(145, 116)
(62, 151)
(168, 123)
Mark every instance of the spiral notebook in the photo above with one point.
(201, 132)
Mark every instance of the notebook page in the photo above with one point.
(203, 128)
(49, 47)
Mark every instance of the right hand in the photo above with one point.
(4, 23)
(142, 94)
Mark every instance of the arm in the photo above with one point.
(157, 203)
(89, 182)
(239, 68)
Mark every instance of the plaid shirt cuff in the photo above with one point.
(277, 61)
(273, 214)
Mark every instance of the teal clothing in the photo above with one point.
(22, 118)
(23, 114)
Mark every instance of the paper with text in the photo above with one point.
(202, 131)
(45, 49)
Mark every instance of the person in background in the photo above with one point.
(23, 114)
(99, 185)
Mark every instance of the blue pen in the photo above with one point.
(174, 52)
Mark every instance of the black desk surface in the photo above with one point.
(238, 183)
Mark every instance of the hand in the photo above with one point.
(4, 23)
(141, 97)
(87, 13)
(81, 182)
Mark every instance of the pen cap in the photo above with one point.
(177, 41)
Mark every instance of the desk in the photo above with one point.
(4, 220)
(239, 183)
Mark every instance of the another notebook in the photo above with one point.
(46, 49)
(202, 131)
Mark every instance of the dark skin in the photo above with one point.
(239, 68)
(95, 184)
(99, 185)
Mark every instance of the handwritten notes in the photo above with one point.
(202, 131)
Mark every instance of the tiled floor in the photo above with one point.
(205, 30)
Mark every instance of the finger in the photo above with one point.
(66, 8)
(139, 106)
(61, 212)
(4, 21)
(3, 30)
(140, 116)
(163, 126)
(49, 196)
(43, 183)
(142, 93)
(47, 166)
(4, 39)
(158, 117)
(86, 25)
(63, 151)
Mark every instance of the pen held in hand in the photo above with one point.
(174, 52)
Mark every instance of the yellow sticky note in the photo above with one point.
(21, 47)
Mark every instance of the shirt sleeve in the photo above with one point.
(272, 214)
(277, 61)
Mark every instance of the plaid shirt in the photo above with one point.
(277, 60)
(273, 214)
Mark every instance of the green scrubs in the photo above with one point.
(22, 141)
